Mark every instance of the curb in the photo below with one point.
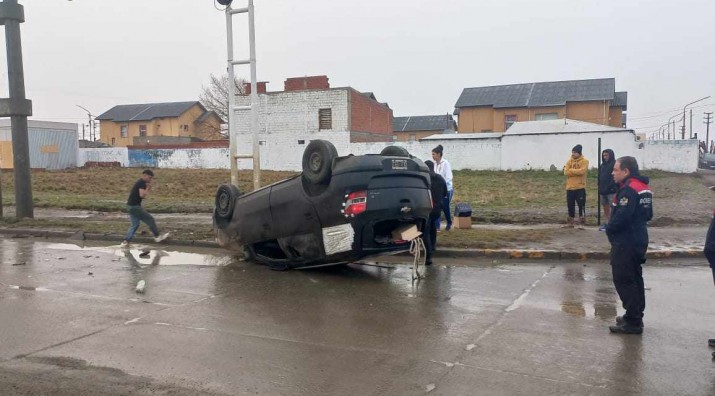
(513, 254)
(80, 235)
(508, 254)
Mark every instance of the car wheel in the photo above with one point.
(318, 161)
(226, 200)
(395, 151)
(248, 253)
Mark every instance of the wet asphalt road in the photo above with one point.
(71, 323)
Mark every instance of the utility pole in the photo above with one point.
(684, 107)
(708, 120)
(90, 125)
(17, 107)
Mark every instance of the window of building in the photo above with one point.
(509, 119)
(142, 130)
(547, 116)
(114, 141)
(325, 119)
(123, 131)
(185, 127)
(394, 138)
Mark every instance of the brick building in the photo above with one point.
(308, 105)
(496, 108)
(162, 123)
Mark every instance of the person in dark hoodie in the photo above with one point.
(627, 232)
(438, 189)
(710, 255)
(606, 186)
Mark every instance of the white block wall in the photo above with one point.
(540, 151)
(294, 112)
(282, 151)
(207, 158)
(673, 155)
(108, 154)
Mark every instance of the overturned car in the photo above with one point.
(338, 210)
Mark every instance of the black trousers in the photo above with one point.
(710, 244)
(574, 197)
(429, 236)
(628, 279)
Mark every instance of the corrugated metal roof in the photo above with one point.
(423, 123)
(146, 111)
(558, 126)
(465, 136)
(555, 93)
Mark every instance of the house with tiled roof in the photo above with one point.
(496, 108)
(170, 122)
(411, 128)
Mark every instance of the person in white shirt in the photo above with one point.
(444, 169)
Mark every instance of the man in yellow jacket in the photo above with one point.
(576, 170)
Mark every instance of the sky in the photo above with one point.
(416, 55)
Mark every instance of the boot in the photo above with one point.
(569, 223)
(581, 223)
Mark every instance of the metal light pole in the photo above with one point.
(669, 122)
(684, 107)
(17, 107)
(89, 114)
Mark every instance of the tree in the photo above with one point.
(215, 96)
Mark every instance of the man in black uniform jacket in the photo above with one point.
(438, 189)
(136, 213)
(710, 255)
(627, 232)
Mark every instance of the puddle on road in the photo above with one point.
(153, 256)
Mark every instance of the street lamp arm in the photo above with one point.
(88, 112)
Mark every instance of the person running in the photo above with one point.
(137, 214)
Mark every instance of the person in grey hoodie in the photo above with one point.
(606, 186)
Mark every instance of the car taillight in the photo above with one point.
(355, 203)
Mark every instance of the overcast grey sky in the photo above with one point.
(417, 55)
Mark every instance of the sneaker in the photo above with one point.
(711, 342)
(602, 227)
(124, 244)
(161, 237)
(625, 329)
(449, 227)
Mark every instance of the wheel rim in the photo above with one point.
(224, 204)
(316, 162)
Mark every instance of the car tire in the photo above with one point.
(318, 161)
(248, 253)
(226, 200)
(395, 151)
